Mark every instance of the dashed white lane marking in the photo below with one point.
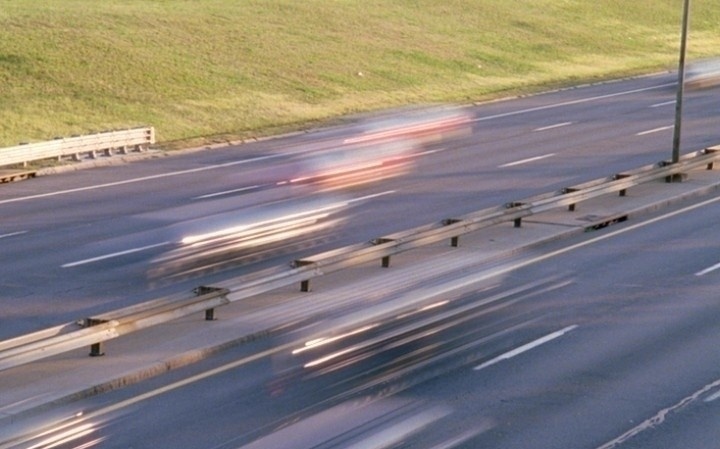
(374, 195)
(650, 131)
(2, 236)
(665, 103)
(557, 125)
(110, 256)
(156, 245)
(526, 347)
(708, 270)
(225, 192)
(525, 161)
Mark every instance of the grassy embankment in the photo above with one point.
(227, 69)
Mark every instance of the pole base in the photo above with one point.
(677, 177)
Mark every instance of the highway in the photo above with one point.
(84, 242)
(603, 340)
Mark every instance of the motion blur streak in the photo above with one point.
(322, 341)
(296, 205)
(396, 433)
(90, 444)
(386, 148)
(381, 423)
(73, 433)
(268, 226)
(80, 431)
(703, 74)
(221, 240)
(394, 347)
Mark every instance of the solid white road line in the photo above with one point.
(659, 417)
(571, 102)
(611, 234)
(666, 103)
(526, 347)
(525, 161)
(650, 131)
(558, 125)
(109, 256)
(713, 396)
(708, 270)
(134, 180)
(2, 236)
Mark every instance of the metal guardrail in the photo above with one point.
(122, 141)
(452, 228)
(94, 331)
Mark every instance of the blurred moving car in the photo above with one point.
(293, 204)
(703, 74)
(214, 242)
(386, 146)
(399, 346)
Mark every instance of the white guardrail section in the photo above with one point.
(94, 331)
(122, 141)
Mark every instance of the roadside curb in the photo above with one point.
(104, 161)
(129, 378)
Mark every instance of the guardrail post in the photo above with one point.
(619, 176)
(675, 177)
(518, 221)
(711, 164)
(25, 163)
(96, 349)
(571, 207)
(305, 284)
(385, 261)
(203, 290)
(455, 240)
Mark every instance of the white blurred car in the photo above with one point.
(702, 74)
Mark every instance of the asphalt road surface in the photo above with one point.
(82, 243)
(604, 340)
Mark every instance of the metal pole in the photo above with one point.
(681, 84)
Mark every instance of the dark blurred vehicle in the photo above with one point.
(401, 346)
(703, 74)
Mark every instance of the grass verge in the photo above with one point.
(213, 70)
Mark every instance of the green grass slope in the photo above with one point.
(226, 69)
